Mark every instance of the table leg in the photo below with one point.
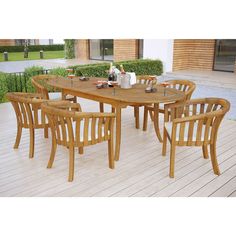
(156, 121)
(118, 133)
(63, 95)
(101, 107)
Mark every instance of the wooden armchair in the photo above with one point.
(186, 86)
(27, 108)
(39, 83)
(195, 123)
(72, 129)
(147, 80)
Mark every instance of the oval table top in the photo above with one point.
(133, 96)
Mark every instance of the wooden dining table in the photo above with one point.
(118, 98)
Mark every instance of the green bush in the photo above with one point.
(59, 71)
(34, 70)
(140, 67)
(29, 72)
(3, 87)
(32, 48)
(69, 48)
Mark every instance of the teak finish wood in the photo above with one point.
(146, 80)
(199, 116)
(118, 98)
(72, 128)
(186, 86)
(28, 112)
(39, 82)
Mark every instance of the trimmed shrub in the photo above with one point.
(58, 71)
(33, 70)
(29, 72)
(140, 67)
(3, 87)
(32, 48)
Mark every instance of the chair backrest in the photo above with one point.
(199, 120)
(71, 127)
(27, 108)
(146, 79)
(39, 83)
(186, 86)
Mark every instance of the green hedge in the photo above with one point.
(22, 82)
(3, 87)
(32, 48)
(59, 71)
(140, 67)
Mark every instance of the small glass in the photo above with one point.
(71, 77)
(69, 70)
(165, 85)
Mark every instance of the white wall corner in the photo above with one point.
(160, 49)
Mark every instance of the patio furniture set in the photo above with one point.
(186, 122)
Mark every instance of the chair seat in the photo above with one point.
(168, 126)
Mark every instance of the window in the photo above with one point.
(19, 42)
(140, 48)
(101, 49)
(225, 54)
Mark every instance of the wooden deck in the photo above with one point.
(141, 171)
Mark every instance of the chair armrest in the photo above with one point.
(63, 104)
(94, 115)
(198, 117)
(189, 118)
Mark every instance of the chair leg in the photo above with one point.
(113, 110)
(53, 152)
(151, 115)
(81, 150)
(111, 154)
(46, 131)
(145, 118)
(18, 136)
(31, 151)
(164, 142)
(205, 152)
(136, 110)
(172, 161)
(71, 163)
(214, 159)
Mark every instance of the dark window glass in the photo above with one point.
(19, 42)
(225, 54)
(101, 49)
(140, 48)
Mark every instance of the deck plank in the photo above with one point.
(141, 171)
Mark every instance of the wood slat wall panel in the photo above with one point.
(82, 49)
(125, 49)
(7, 42)
(193, 54)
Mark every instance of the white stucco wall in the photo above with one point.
(44, 41)
(160, 49)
